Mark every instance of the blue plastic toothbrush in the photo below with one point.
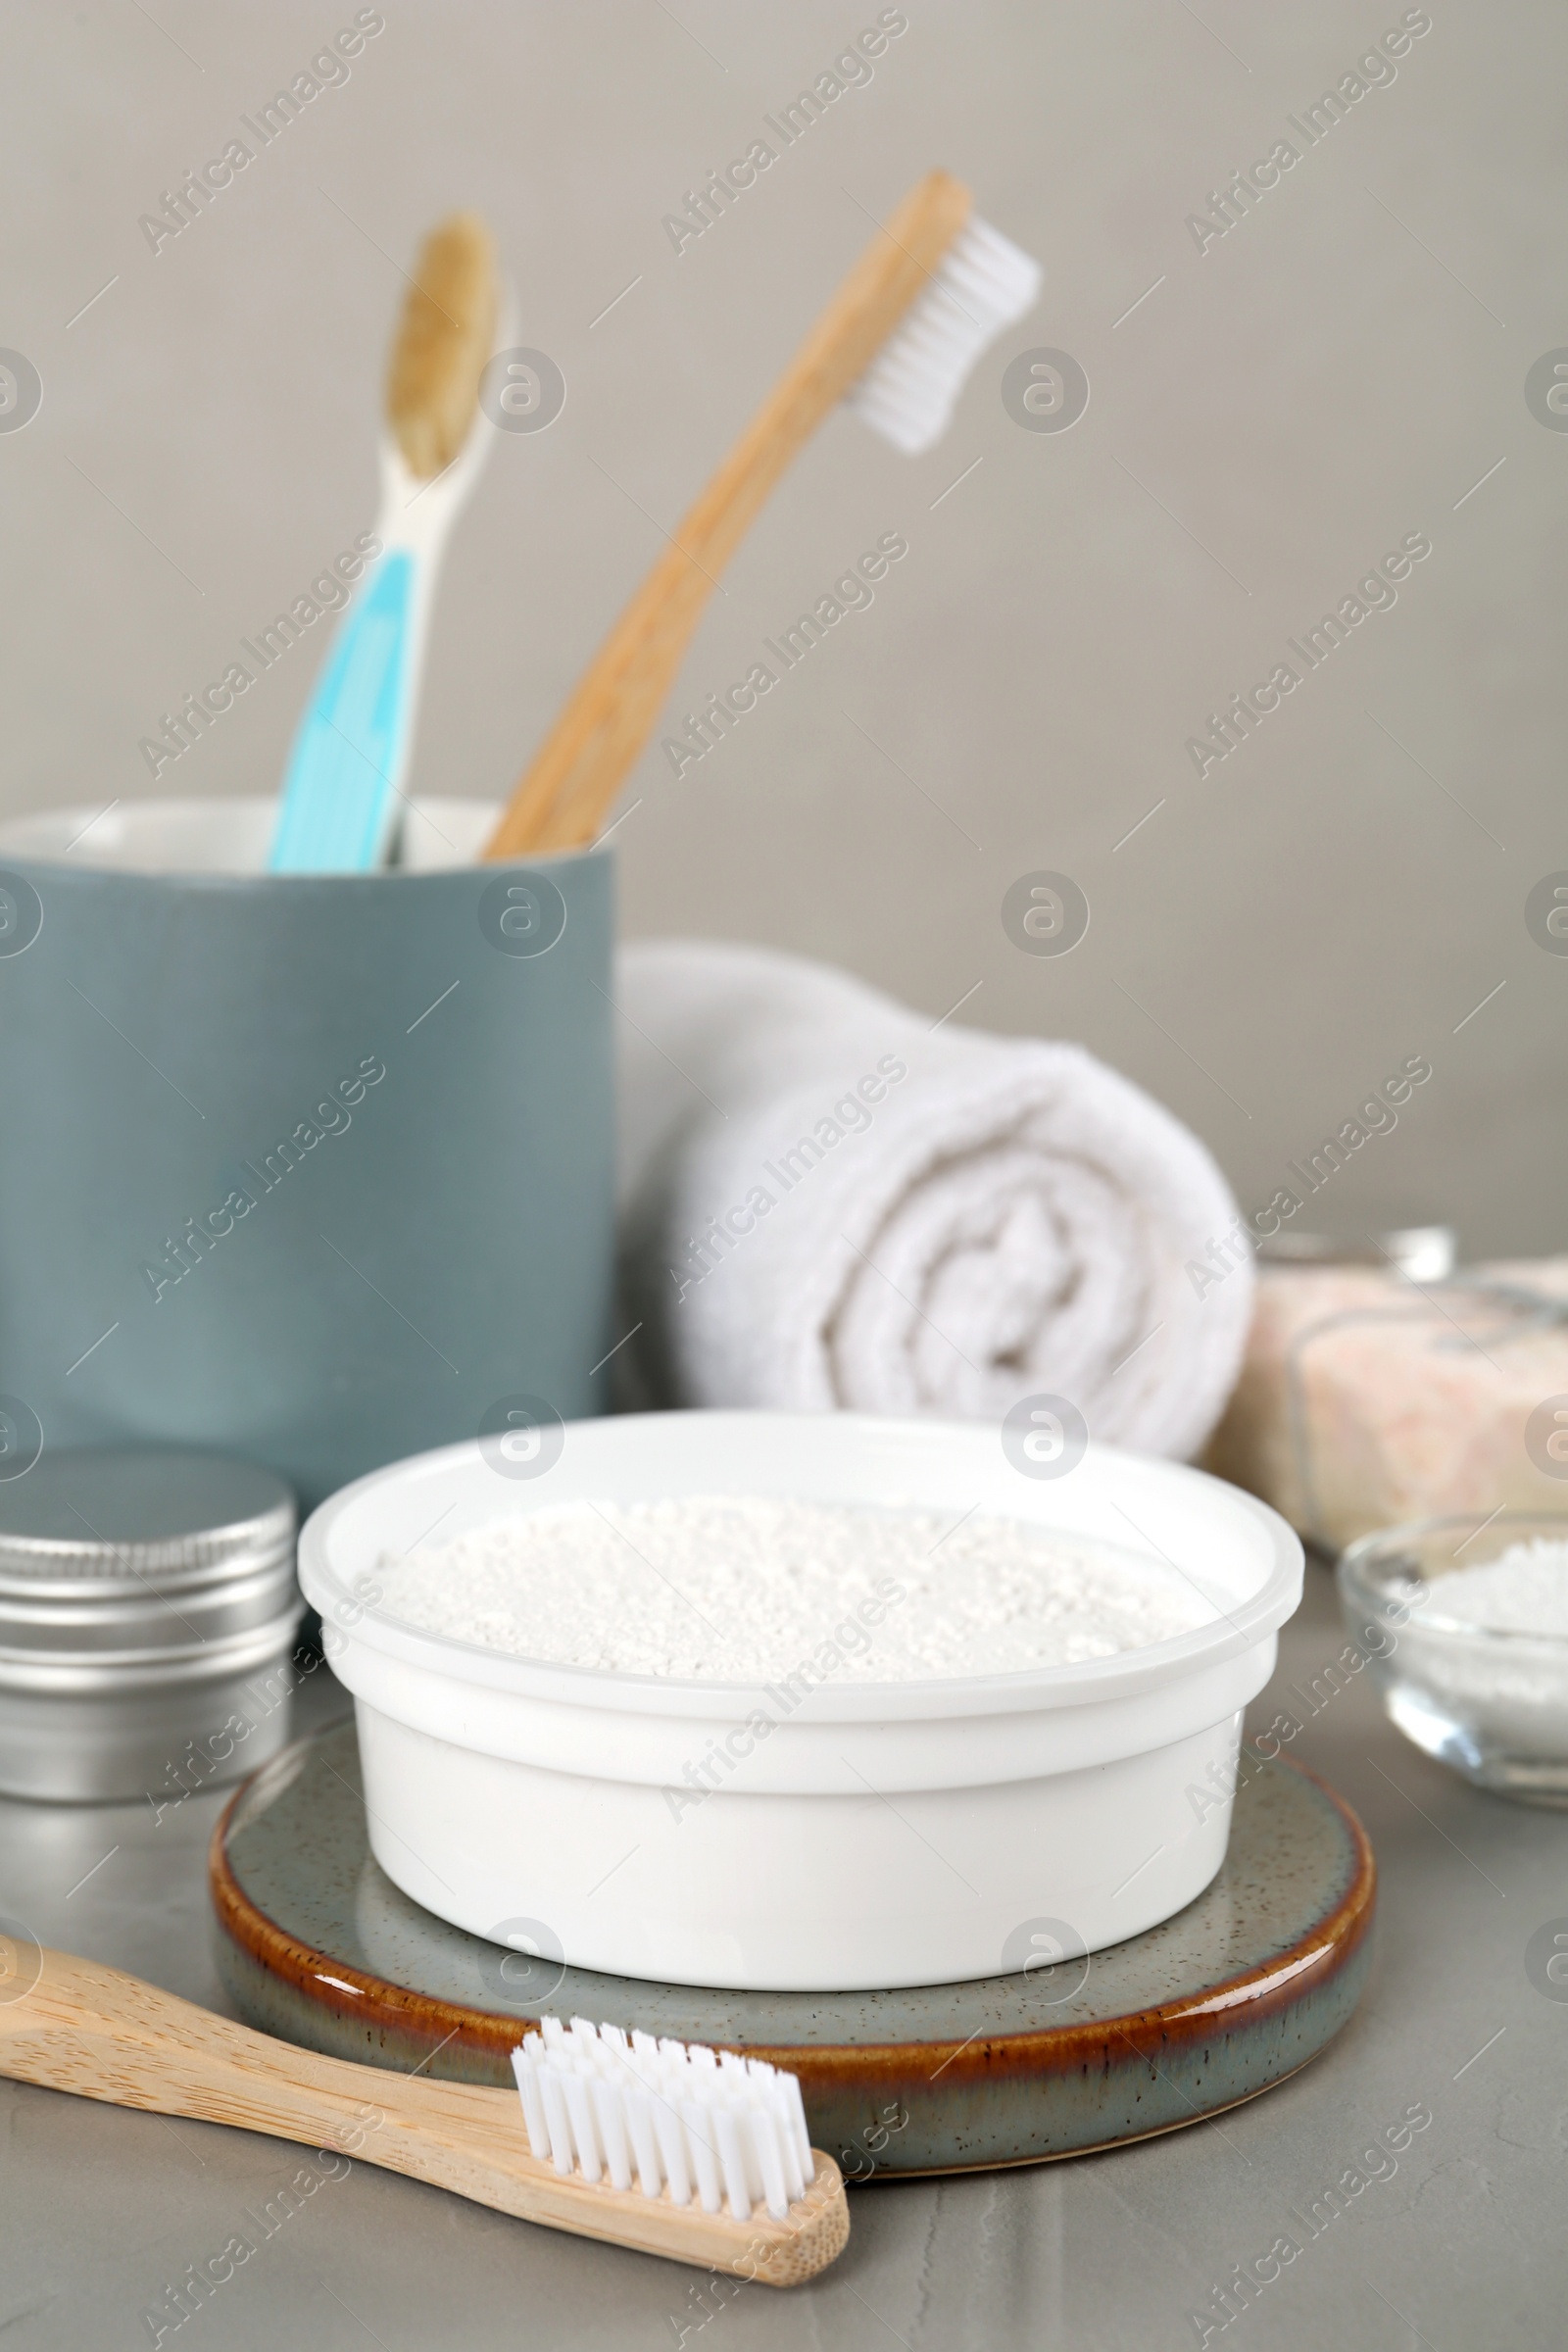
(342, 793)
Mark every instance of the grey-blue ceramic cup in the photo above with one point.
(316, 1171)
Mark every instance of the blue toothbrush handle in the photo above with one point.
(341, 794)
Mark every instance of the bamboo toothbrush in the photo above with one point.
(725, 2176)
(342, 793)
(899, 339)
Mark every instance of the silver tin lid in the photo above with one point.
(1417, 1253)
(95, 1673)
(107, 1516)
(114, 1615)
(147, 1601)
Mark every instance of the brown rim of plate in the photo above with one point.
(1315, 1960)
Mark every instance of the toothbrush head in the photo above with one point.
(444, 342)
(689, 2124)
(982, 285)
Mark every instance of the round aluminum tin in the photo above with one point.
(148, 1608)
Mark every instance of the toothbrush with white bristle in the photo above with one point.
(895, 344)
(342, 799)
(984, 285)
(664, 2146)
(691, 2123)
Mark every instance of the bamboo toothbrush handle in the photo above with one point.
(565, 794)
(89, 2030)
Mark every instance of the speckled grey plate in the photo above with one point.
(1227, 1998)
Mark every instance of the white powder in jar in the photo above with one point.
(744, 1588)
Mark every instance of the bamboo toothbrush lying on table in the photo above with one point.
(342, 794)
(899, 339)
(664, 2146)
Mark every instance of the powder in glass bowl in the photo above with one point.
(1523, 1591)
(743, 1588)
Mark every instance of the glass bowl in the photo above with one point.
(1489, 1701)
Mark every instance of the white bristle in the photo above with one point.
(644, 2141)
(771, 2177)
(983, 285)
(733, 2162)
(794, 2106)
(609, 2114)
(673, 2152)
(689, 2120)
(585, 2138)
(553, 2086)
(526, 2069)
(795, 2178)
(701, 2146)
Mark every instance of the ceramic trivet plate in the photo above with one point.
(1253, 1979)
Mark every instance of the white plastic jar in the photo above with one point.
(880, 1834)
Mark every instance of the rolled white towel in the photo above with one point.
(829, 1203)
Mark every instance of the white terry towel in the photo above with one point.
(826, 1202)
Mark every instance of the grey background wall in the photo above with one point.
(1269, 414)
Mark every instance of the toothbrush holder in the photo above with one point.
(316, 1171)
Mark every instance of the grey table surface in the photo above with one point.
(1458, 2243)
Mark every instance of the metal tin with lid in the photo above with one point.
(148, 1610)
